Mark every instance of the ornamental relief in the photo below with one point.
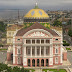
(37, 34)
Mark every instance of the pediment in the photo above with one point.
(37, 34)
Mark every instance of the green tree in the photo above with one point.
(4, 67)
(2, 26)
(69, 22)
(57, 23)
(70, 33)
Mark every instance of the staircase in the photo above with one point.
(38, 70)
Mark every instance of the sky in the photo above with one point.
(44, 4)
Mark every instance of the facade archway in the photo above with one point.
(28, 62)
(42, 62)
(47, 62)
(33, 62)
(37, 62)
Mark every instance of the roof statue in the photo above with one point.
(36, 6)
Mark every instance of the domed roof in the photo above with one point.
(36, 13)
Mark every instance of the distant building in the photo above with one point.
(11, 30)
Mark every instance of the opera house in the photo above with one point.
(37, 46)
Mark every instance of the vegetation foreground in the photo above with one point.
(55, 70)
(5, 68)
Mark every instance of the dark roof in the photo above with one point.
(22, 31)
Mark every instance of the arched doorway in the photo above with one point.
(42, 62)
(37, 62)
(28, 62)
(47, 62)
(33, 62)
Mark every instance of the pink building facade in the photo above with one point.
(37, 46)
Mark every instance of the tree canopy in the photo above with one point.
(5, 68)
(69, 22)
(70, 32)
(57, 23)
(2, 26)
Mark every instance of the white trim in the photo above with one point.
(18, 60)
(50, 61)
(18, 51)
(57, 32)
(57, 50)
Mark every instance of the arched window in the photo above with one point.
(37, 62)
(28, 62)
(33, 62)
(42, 62)
(47, 62)
(56, 51)
(18, 51)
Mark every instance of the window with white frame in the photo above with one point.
(47, 50)
(56, 60)
(28, 50)
(47, 41)
(38, 50)
(38, 41)
(9, 33)
(33, 41)
(28, 41)
(18, 51)
(42, 41)
(18, 60)
(56, 50)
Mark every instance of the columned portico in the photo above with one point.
(39, 47)
(34, 62)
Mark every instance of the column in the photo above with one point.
(44, 62)
(40, 51)
(31, 62)
(44, 41)
(24, 57)
(24, 51)
(61, 54)
(35, 51)
(39, 62)
(31, 51)
(50, 62)
(44, 51)
(35, 62)
(51, 50)
(24, 41)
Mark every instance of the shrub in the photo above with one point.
(66, 44)
(68, 49)
(64, 41)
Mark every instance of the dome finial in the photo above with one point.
(36, 5)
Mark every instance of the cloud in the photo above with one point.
(41, 3)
